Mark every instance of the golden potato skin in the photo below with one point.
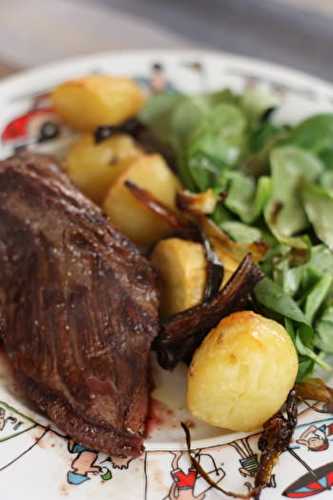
(151, 173)
(92, 167)
(86, 103)
(242, 373)
(182, 270)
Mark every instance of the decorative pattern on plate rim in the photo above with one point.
(49, 464)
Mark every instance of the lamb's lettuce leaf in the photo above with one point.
(277, 182)
(314, 134)
(290, 166)
(318, 205)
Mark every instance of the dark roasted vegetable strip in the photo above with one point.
(215, 270)
(316, 390)
(200, 470)
(187, 230)
(156, 206)
(132, 127)
(199, 203)
(182, 333)
(275, 440)
(142, 134)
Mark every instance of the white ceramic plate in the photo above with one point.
(36, 461)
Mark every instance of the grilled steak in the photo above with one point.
(78, 308)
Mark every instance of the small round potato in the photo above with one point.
(182, 270)
(242, 373)
(93, 167)
(131, 217)
(86, 103)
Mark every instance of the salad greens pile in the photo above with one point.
(278, 186)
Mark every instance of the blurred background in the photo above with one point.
(297, 33)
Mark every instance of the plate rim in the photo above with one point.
(23, 76)
(321, 87)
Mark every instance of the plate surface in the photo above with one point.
(36, 460)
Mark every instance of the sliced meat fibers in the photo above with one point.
(78, 308)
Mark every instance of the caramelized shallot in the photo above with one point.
(154, 205)
(181, 334)
(202, 203)
(275, 440)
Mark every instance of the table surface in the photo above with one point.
(6, 69)
(297, 33)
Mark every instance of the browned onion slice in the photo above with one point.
(182, 333)
(198, 203)
(275, 440)
(187, 230)
(154, 205)
(215, 270)
(142, 134)
(315, 389)
(131, 127)
(201, 471)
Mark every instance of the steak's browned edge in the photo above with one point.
(78, 308)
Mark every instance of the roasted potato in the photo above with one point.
(88, 102)
(181, 267)
(127, 213)
(241, 374)
(93, 167)
(229, 252)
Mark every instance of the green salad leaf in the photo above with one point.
(257, 102)
(207, 133)
(273, 297)
(216, 143)
(326, 180)
(158, 112)
(285, 213)
(318, 204)
(321, 259)
(314, 134)
(277, 182)
(324, 328)
(317, 296)
(240, 232)
(305, 343)
(246, 198)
